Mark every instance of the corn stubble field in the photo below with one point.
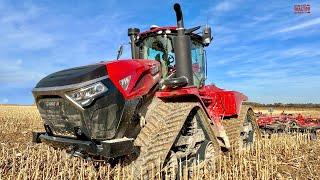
(278, 157)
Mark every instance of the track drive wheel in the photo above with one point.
(242, 131)
(210, 156)
(209, 153)
(247, 133)
(197, 152)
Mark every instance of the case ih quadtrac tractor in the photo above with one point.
(154, 107)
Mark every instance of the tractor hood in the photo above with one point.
(133, 77)
(73, 76)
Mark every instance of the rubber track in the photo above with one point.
(163, 123)
(233, 127)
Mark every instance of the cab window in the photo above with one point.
(198, 63)
(159, 48)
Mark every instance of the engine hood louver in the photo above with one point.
(73, 76)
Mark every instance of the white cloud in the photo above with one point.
(301, 51)
(258, 20)
(224, 6)
(30, 39)
(307, 24)
(13, 72)
(11, 14)
(18, 28)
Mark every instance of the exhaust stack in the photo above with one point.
(132, 33)
(182, 48)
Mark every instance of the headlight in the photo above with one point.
(84, 96)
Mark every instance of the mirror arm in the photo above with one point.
(205, 55)
(188, 31)
(120, 51)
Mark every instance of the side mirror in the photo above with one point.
(120, 51)
(206, 35)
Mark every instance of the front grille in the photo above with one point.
(61, 116)
(99, 121)
(103, 122)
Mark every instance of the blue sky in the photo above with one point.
(261, 48)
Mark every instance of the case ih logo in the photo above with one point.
(52, 104)
(302, 8)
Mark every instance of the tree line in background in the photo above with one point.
(304, 105)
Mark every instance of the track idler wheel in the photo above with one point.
(209, 153)
(247, 133)
(243, 130)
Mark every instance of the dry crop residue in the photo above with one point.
(280, 157)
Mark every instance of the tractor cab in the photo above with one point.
(180, 52)
(157, 44)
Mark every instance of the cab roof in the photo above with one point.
(170, 30)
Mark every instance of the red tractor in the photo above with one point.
(154, 108)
